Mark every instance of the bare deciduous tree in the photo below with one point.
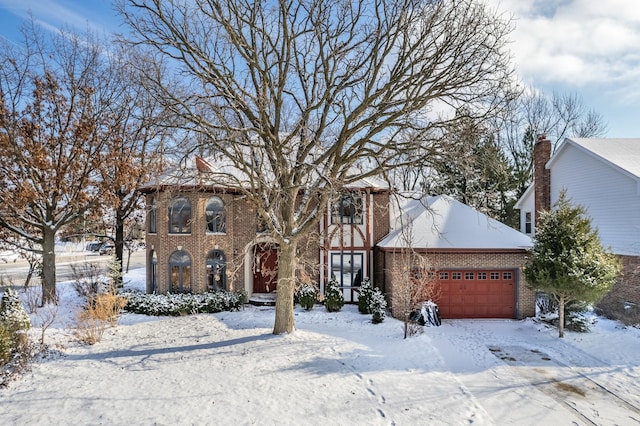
(304, 97)
(413, 279)
(558, 116)
(139, 128)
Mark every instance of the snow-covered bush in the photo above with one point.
(377, 306)
(14, 323)
(183, 303)
(12, 314)
(334, 300)
(307, 297)
(364, 296)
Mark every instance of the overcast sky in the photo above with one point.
(587, 47)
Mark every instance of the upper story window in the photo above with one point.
(261, 224)
(527, 223)
(179, 216)
(348, 209)
(153, 215)
(215, 215)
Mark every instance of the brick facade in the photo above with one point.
(542, 175)
(526, 298)
(623, 301)
(240, 238)
(237, 242)
(240, 235)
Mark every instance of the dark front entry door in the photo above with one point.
(265, 268)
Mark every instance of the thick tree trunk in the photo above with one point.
(49, 267)
(285, 322)
(561, 303)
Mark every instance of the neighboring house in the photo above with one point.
(602, 175)
(476, 260)
(202, 236)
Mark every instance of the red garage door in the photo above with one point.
(477, 294)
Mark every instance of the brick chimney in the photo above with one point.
(542, 175)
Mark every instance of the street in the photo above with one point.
(16, 272)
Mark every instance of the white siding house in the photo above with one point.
(602, 175)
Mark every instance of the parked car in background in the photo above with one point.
(94, 246)
(106, 249)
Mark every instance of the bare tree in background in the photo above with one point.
(139, 128)
(489, 165)
(305, 97)
(558, 116)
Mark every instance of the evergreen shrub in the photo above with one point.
(183, 303)
(307, 297)
(364, 297)
(377, 306)
(14, 319)
(334, 300)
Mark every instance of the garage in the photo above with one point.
(476, 259)
(476, 293)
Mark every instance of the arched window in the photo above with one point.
(180, 216)
(216, 271)
(215, 215)
(348, 209)
(180, 272)
(153, 215)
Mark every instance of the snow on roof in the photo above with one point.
(622, 153)
(212, 171)
(441, 222)
(368, 182)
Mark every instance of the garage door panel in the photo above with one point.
(477, 294)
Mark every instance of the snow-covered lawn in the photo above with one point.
(336, 369)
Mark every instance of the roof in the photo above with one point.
(622, 153)
(196, 171)
(527, 193)
(441, 222)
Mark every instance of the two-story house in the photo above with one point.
(202, 236)
(602, 175)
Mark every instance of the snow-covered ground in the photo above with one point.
(336, 369)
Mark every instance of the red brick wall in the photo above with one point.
(380, 216)
(626, 291)
(542, 176)
(526, 302)
(240, 230)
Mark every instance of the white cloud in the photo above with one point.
(576, 42)
(53, 14)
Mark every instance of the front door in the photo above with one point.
(265, 268)
(347, 270)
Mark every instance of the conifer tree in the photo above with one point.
(568, 261)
